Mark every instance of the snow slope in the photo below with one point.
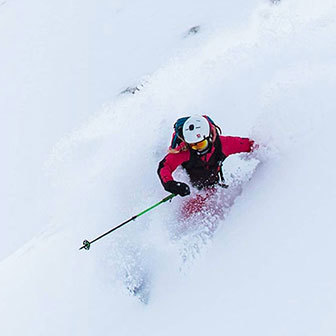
(267, 72)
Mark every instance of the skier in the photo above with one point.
(201, 152)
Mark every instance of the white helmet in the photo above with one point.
(196, 129)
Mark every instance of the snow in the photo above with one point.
(79, 158)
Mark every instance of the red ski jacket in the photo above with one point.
(203, 170)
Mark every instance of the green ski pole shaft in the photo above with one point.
(87, 244)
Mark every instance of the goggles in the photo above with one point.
(199, 146)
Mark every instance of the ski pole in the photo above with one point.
(87, 244)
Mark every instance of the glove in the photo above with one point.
(177, 188)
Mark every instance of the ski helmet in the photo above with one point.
(196, 129)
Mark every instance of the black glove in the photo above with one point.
(177, 188)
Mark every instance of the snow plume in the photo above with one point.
(268, 268)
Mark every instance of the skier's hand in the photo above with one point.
(177, 188)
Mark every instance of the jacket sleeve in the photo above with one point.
(233, 145)
(168, 165)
